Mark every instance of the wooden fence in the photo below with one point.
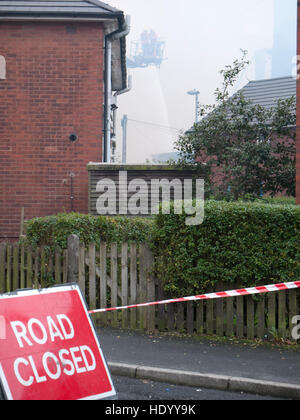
(112, 275)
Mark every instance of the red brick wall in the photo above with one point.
(298, 118)
(53, 87)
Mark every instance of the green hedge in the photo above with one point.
(54, 230)
(243, 244)
(240, 244)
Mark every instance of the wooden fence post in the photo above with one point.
(133, 285)
(92, 276)
(147, 288)
(114, 280)
(124, 283)
(103, 281)
(73, 259)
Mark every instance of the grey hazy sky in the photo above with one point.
(201, 37)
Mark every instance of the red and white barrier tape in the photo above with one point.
(217, 295)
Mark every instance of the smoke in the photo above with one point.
(201, 38)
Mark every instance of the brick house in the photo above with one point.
(60, 63)
(265, 93)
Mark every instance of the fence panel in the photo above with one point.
(112, 275)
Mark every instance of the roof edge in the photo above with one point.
(271, 79)
(104, 6)
(105, 11)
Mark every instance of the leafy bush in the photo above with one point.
(289, 201)
(284, 200)
(241, 244)
(54, 230)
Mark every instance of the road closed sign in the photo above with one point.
(49, 349)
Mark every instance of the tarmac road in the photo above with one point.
(203, 356)
(137, 390)
(225, 366)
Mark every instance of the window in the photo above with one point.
(2, 68)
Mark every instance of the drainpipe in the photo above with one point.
(118, 93)
(119, 33)
(128, 89)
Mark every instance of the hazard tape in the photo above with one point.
(217, 295)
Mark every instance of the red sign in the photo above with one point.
(49, 349)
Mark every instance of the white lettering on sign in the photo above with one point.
(41, 330)
(20, 333)
(38, 333)
(68, 335)
(17, 364)
(2, 68)
(53, 330)
(49, 349)
(52, 375)
(66, 362)
(75, 360)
